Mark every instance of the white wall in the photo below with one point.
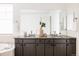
(77, 27)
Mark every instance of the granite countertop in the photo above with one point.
(62, 36)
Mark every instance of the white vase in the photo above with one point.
(41, 32)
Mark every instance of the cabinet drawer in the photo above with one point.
(40, 41)
(59, 40)
(49, 41)
(18, 40)
(29, 41)
(73, 40)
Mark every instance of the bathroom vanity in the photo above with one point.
(45, 46)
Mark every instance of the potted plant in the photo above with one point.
(42, 25)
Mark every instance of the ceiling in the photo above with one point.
(48, 6)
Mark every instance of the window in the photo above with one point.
(6, 19)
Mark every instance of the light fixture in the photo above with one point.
(74, 17)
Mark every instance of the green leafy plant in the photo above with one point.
(42, 24)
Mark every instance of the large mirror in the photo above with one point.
(57, 21)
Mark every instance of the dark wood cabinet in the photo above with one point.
(71, 49)
(59, 49)
(40, 49)
(45, 47)
(18, 49)
(29, 49)
(49, 49)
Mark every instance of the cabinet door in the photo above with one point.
(48, 50)
(59, 49)
(40, 49)
(71, 49)
(29, 49)
(18, 49)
